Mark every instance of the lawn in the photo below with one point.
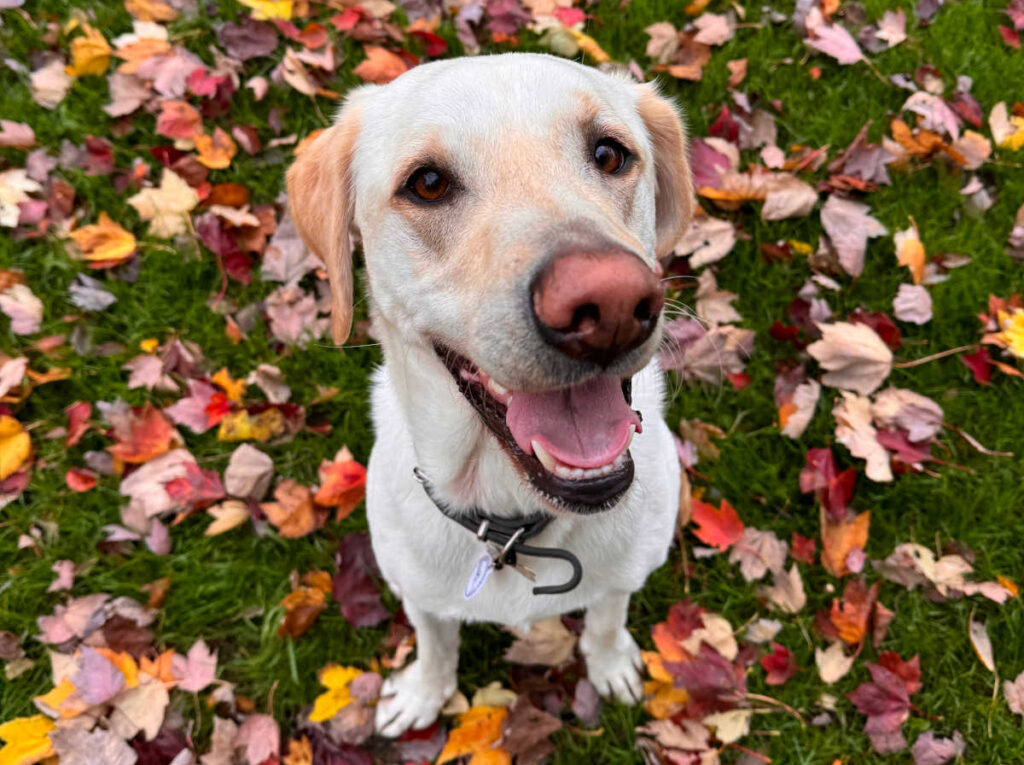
(227, 589)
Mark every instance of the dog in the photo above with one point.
(514, 211)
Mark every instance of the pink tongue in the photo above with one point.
(585, 426)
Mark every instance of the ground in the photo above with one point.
(226, 589)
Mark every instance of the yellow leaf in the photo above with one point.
(589, 45)
(800, 248)
(55, 698)
(167, 205)
(226, 516)
(477, 734)
(838, 540)
(1014, 141)
(28, 740)
(104, 241)
(240, 426)
(336, 679)
(694, 8)
(90, 53)
(150, 10)
(124, 662)
(269, 9)
(15, 446)
(1012, 335)
(910, 251)
(231, 387)
(216, 151)
(300, 752)
(150, 344)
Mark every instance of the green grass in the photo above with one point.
(226, 589)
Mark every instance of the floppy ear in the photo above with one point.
(674, 200)
(322, 205)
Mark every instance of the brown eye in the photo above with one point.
(610, 155)
(427, 184)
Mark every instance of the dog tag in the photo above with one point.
(481, 571)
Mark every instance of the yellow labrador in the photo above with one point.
(512, 210)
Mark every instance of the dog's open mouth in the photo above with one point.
(572, 443)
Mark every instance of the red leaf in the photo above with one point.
(435, 45)
(347, 19)
(903, 449)
(851, 616)
(353, 586)
(1010, 36)
(196, 490)
(909, 671)
(779, 665)
(738, 380)
(980, 364)
(78, 421)
(802, 548)
(720, 527)
(881, 323)
(342, 485)
(143, 435)
(834, 491)
(569, 16)
(886, 703)
(80, 479)
(725, 127)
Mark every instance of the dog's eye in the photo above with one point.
(610, 155)
(428, 184)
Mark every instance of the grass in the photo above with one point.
(226, 589)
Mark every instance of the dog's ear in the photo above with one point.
(321, 199)
(674, 199)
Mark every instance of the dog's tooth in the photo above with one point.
(563, 471)
(497, 387)
(577, 473)
(545, 458)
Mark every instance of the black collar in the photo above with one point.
(509, 535)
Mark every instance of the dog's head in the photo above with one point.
(513, 210)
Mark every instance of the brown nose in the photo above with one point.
(595, 306)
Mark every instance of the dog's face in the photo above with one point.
(512, 211)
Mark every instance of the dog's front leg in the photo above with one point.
(413, 697)
(613, 658)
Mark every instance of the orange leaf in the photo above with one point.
(342, 484)
(301, 608)
(667, 644)
(719, 528)
(234, 389)
(142, 436)
(216, 151)
(838, 540)
(477, 734)
(80, 479)
(135, 53)
(104, 242)
(380, 66)
(292, 514)
(851, 616)
(150, 10)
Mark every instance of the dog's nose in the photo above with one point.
(595, 306)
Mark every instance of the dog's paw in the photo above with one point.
(411, 699)
(616, 672)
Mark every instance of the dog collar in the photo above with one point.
(508, 536)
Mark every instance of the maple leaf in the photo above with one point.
(796, 414)
(849, 226)
(260, 737)
(758, 552)
(833, 663)
(779, 666)
(477, 733)
(269, 9)
(719, 527)
(855, 356)
(342, 483)
(142, 435)
(195, 490)
(179, 119)
(833, 490)
(831, 39)
(216, 151)
(525, 732)
(353, 586)
(249, 473)
(855, 431)
(75, 746)
(167, 206)
(851, 616)
(337, 680)
(548, 643)
(292, 514)
(786, 590)
(302, 606)
(839, 539)
(27, 740)
(918, 415)
(886, 702)
(50, 83)
(196, 670)
(930, 750)
(980, 364)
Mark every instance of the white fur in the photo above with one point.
(480, 107)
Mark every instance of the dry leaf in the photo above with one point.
(167, 206)
(855, 356)
(838, 540)
(104, 242)
(849, 226)
(855, 431)
(548, 643)
(982, 643)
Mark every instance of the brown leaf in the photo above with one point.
(292, 513)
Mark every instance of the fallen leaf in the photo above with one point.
(477, 733)
(855, 431)
(912, 304)
(261, 10)
(831, 39)
(1014, 693)
(342, 483)
(886, 703)
(731, 725)
(779, 666)
(525, 732)
(166, 207)
(249, 473)
(142, 435)
(90, 53)
(292, 514)
(353, 587)
(910, 251)
(380, 66)
(838, 540)
(786, 590)
(75, 746)
(929, 750)
(758, 552)
(15, 446)
(27, 740)
(855, 356)
(24, 309)
(982, 643)
(849, 226)
(548, 643)
(259, 734)
(719, 527)
(337, 680)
